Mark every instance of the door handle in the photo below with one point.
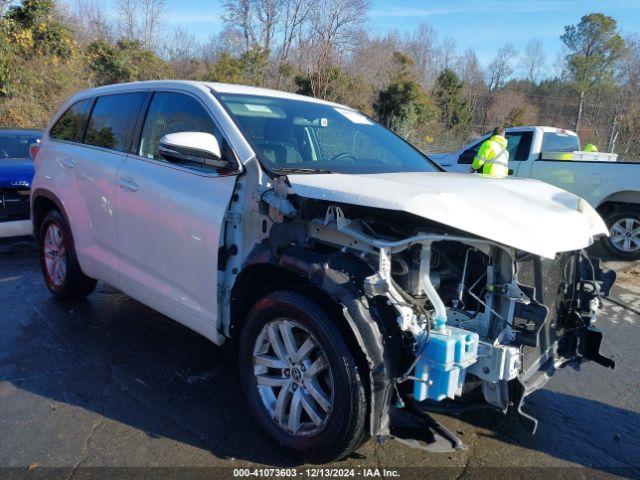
(68, 162)
(127, 184)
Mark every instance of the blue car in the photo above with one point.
(16, 174)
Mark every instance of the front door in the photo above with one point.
(170, 219)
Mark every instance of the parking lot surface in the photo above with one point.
(110, 383)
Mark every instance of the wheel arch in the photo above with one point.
(42, 202)
(332, 282)
(619, 199)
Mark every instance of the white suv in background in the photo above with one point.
(354, 273)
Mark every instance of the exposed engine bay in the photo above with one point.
(480, 314)
(471, 314)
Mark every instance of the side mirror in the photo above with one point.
(196, 148)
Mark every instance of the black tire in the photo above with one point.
(343, 431)
(611, 219)
(74, 285)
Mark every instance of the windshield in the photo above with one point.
(304, 137)
(16, 145)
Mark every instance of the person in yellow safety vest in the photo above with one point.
(591, 148)
(493, 156)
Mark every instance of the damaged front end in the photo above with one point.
(446, 314)
(474, 313)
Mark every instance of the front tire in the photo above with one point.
(59, 262)
(624, 233)
(301, 379)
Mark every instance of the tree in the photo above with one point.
(126, 61)
(594, 46)
(403, 104)
(533, 62)
(501, 68)
(238, 16)
(141, 20)
(454, 111)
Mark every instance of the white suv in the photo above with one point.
(355, 274)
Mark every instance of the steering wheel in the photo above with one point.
(340, 156)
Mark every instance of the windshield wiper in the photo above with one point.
(300, 170)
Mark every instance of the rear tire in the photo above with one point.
(331, 423)
(624, 233)
(59, 262)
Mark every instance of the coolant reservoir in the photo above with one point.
(443, 363)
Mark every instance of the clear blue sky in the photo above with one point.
(482, 24)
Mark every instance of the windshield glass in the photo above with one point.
(306, 137)
(16, 145)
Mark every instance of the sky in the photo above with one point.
(484, 25)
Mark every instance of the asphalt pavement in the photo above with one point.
(107, 387)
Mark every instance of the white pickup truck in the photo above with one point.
(613, 188)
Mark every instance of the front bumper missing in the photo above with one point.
(555, 329)
(565, 299)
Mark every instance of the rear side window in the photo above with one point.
(113, 121)
(173, 113)
(71, 125)
(559, 142)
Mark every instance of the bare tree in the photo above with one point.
(127, 11)
(336, 27)
(421, 45)
(474, 88)
(89, 21)
(179, 46)
(296, 13)
(533, 61)
(501, 68)
(239, 16)
(446, 53)
(267, 16)
(153, 13)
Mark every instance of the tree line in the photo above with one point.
(416, 83)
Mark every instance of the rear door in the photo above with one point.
(106, 142)
(170, 217)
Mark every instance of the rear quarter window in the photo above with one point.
(113, 121)
(559, 142)
(71, 125)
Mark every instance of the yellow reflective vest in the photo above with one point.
(590, 147)
(493, 157)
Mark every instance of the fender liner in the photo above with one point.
(340, 276)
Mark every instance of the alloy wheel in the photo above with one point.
(293, 377)
(55, 255)
(625, 235)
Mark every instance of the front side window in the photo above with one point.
(173, 113)
(304, 136)
(113, 121)
(71, 125)
(519, 145)
(560, 142)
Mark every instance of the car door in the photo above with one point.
(106, 143)
(170, 217)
